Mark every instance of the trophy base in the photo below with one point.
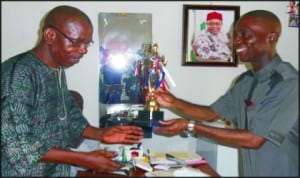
(147, 120)
(153, 116)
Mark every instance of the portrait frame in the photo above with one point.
(194, 23)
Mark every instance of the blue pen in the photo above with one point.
(139, 145)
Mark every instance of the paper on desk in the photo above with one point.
(189, 172)
(142, 163)
(179, 172)
(189, 157)
(164, 173)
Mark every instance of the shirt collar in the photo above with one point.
(266, 72)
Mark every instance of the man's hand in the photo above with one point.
(100, 160)
(122, 134)
(171, 127)
(105, 153)
(164, 98)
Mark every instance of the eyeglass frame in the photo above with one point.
(74, 42)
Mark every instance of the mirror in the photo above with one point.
(123, 41)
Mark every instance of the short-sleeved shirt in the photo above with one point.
(270, 112)
(33, 99)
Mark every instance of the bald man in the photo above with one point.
(263, 104)
(40, 121)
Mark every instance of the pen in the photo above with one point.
(133, 164)
(148, 155)
(139, 145)
(173, 158)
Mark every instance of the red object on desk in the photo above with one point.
(197, 162)
(134, 153)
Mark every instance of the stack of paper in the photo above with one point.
(185, 157)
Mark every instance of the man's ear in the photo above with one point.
(272, 37)
(49, 35)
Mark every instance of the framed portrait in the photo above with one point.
(294, 20)
(208, 35)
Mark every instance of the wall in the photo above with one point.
(201, 85)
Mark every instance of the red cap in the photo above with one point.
(214, 15)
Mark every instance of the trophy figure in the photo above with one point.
(152, 70)
(155, 77)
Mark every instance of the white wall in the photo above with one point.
(203, 85)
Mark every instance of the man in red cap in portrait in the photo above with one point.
(212, 43)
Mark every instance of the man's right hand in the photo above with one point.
(165, 98)
(100, 160)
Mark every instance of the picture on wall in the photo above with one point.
(294, 20)
(208, 35)
(293, 12)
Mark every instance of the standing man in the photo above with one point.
(263, 104)
(40, 121)
(212, 44)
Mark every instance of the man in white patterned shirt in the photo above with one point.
(212, 44)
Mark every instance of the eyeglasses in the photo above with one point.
(74, 42)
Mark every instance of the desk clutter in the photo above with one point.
(159, 164)
(176, 158)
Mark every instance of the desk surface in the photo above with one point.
(206, 168)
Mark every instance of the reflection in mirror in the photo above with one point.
(124, 39)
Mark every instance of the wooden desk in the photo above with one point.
(206, 168)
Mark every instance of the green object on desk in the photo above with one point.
(124, 157)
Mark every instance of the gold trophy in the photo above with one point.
(154, 77)
(153, 72)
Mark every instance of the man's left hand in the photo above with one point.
(122, 134)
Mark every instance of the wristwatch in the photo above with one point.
(190, 129)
